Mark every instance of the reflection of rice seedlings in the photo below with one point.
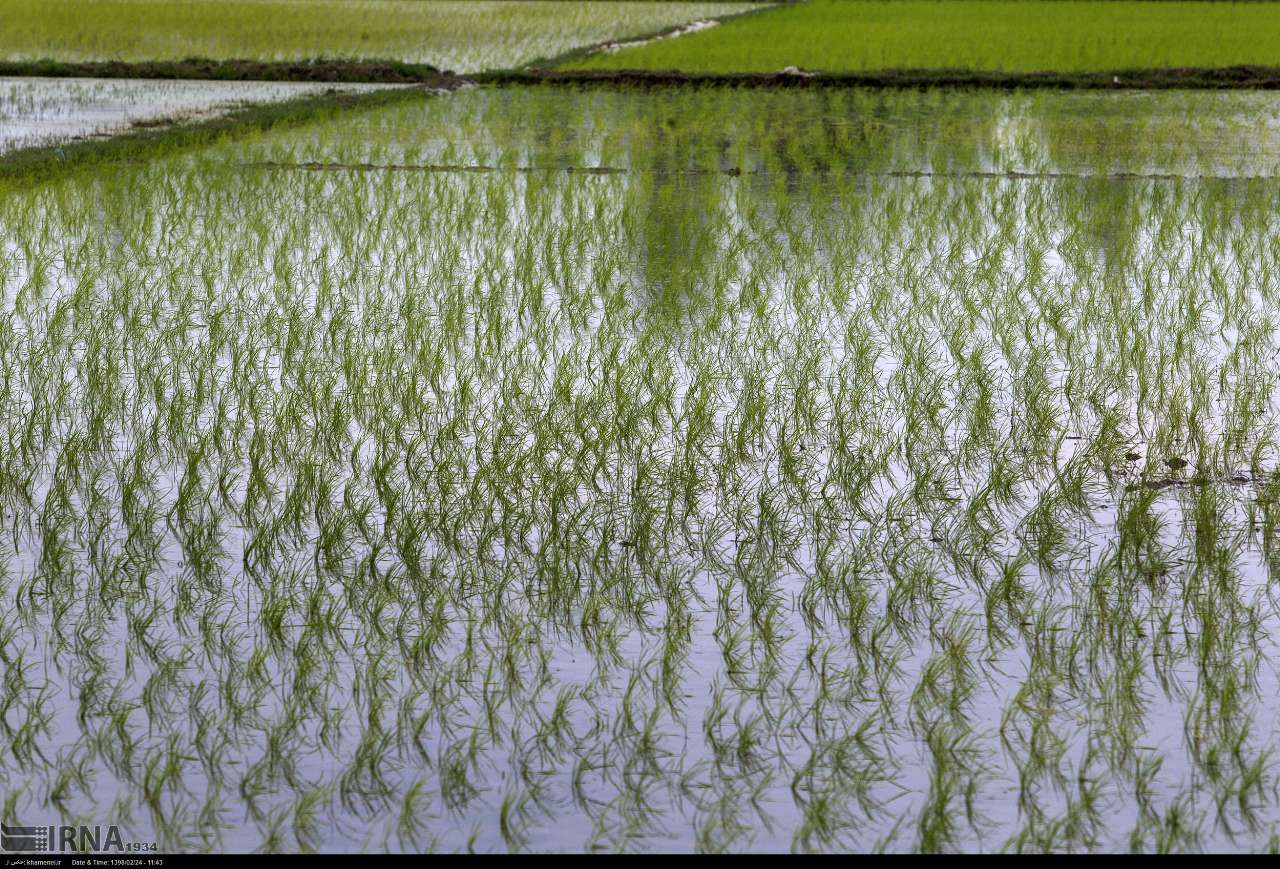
(828, 503)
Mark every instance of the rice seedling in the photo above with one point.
(446, 475)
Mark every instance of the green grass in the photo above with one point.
(461, 35)
(542, 468)
(1011, 36)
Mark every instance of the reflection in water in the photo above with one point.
(899, 475)
(47, 111)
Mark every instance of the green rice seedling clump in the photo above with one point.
(689, 469)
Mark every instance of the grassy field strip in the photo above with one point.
(1010, 36)
(460, 35)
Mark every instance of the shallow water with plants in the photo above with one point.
(38, 111)
(698, 468)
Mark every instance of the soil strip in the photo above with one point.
(336, 71)
(736, 172)
(394, 72)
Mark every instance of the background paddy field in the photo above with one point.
(987, 35)
(697, 468)
(458, 35)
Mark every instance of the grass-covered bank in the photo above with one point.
(1226, 78)
(984, 35)
(461, 35)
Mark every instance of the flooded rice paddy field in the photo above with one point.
(684, 469)
(45, 111)
(461, 35)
